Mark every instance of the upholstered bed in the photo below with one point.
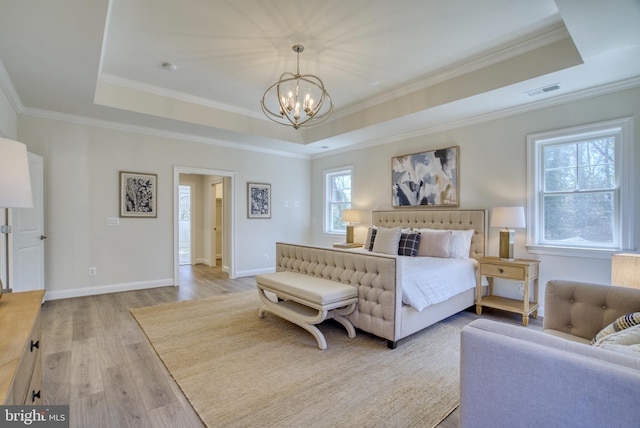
(379, 277)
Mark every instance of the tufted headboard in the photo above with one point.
(440, 219)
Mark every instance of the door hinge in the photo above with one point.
(5, 228)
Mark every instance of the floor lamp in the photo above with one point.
(15, 188)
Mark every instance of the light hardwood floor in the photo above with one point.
(97, 359)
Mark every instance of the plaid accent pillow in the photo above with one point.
(625, 321)
(409, 243)
(368, 243)
(371, 239)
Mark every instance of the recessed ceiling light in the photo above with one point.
(169, 66)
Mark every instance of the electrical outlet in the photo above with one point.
(113, 221)
(93, 271)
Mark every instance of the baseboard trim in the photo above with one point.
(254, 272)
(106, 289)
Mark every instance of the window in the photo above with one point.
(579, 190)
(338, 198)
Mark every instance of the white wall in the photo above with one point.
(81, 187)
(493, 172)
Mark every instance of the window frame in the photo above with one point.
(623, 209)
(328, 182)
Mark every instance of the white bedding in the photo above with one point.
(430, 280)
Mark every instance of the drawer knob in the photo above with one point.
(500, 270)
(34, 395)
(35, 345)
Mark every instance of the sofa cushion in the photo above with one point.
(625, 341)
(625, 321)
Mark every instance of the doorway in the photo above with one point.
(184, 224)
(210, 219)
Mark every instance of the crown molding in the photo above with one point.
(493, 57)
(118, 126)
(7, 86)
(179, 96)
(487, 117)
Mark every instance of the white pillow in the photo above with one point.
(460, 243)
(434, 243)
(387, 241)
(625, 341)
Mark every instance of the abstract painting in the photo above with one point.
(426, 179)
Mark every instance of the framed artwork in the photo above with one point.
(426, 179)
(138, 194)
(259, 200)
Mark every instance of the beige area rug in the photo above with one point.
(239, 370)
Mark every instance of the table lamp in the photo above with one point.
(15, 186)
(509, 218)
(625, 270)
(350, 216)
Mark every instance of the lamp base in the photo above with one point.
(349, 234)
(507, 239)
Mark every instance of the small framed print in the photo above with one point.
(258, 200)
(138, 194)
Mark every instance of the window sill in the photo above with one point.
(586, 253)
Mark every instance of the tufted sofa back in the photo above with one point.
(582, 309)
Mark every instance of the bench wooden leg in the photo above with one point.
(306, 317)
(337, 314)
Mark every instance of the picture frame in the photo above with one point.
(258, 200)
(138, 194)
(429, 178)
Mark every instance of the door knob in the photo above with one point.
(43, 237)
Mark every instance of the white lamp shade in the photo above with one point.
(625, 270)
(15, 182)
(508, 217)
(350, 216)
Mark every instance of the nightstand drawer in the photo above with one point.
(511, 272)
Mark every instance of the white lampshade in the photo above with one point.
(508, 217)
(350, 216)
(625, 270)
(15, 182)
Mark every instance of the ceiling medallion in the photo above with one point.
(297, 99)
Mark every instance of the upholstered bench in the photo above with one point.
(306, 300)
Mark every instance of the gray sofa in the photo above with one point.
(512, 376)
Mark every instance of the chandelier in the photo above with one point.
(299, 99)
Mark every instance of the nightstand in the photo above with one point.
(518, 270)
(347, 245)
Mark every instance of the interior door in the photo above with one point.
(27, 237)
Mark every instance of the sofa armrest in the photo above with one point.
(512, 376)
(583, 309)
